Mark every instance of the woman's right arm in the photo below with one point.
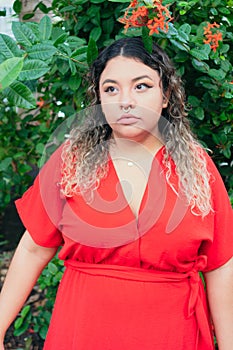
(27, 264)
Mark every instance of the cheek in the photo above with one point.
(109, 110)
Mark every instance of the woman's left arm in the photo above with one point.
(220, 296)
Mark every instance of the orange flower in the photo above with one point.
(141, 12)
(40, 103)
(161, 19)
(212, 36)
(154, 17)
(138, 18)
(133, 3)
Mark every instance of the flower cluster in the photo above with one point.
(212, 36)
(154, 16)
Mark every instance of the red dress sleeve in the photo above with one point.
(40, 208)
(219, 248)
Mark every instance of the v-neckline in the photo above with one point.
(141, 205)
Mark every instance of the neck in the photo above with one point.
(151, 144)
(134, 150)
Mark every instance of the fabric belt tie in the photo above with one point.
(195, 304)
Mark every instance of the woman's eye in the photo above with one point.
(142, 86)
(110, 89)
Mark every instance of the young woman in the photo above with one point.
(139, 210)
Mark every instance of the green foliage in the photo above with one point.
(38, 320)
(43, 71)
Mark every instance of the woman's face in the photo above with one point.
(131, 99)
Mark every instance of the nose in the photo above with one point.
(127, 100)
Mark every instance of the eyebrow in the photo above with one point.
(133, 80)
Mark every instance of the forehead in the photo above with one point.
(125, 67)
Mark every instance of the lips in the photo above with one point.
(127, 119)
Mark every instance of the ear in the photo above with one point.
(166, 96)
(165, 102)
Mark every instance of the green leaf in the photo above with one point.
(108, 25)
(28, 16)
(184, 31)
(180, 46)
(214, 11)
(18, 323)
(92, 51)
(61, 39)
(201, 66)
(33, 69)
(17, 6)
(5, 163)
(227, 152)
(40, 147)
(79, 52)
(75, 42)
(45, 27)
(224, 10)
(74, 82)
(224, 48)
(52, 268)
(42, 51)
(8, 47)
(62, 66)
(72, 67)
(93, 11)
(194, 101)
(34, 27)
(98, 1)
(25, 311)
(20, 95)
(9, 71)
(68, 8)
(228, 95)
(43, 7)
(201, 53)
(96, 33)
(185, 28)
(226, 66)
(81, 23)
(43, 332)
(47, 316)
(22, 329)
(217, 74)
(181, 56)
(199, 113)
(147, 39)
(23, 34)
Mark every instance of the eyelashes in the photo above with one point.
(143, 86)
(139, 87)
(110, 89)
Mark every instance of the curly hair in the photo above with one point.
(85, 156)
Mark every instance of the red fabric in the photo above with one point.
(145, 293)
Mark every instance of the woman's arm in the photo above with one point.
(220, 296)
(28, 262)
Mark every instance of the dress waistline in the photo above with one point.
(127, 272)
(195, 303)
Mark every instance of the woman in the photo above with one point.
(139, 209)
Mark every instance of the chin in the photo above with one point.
(133, 133)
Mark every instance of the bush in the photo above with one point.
(43, 73)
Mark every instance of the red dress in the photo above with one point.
(129, 284)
